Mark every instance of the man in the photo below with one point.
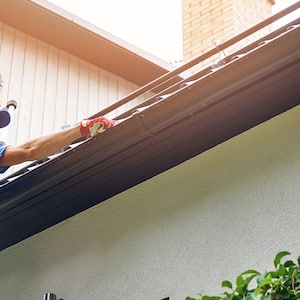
(44, 146)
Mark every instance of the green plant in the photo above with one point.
(281, 283)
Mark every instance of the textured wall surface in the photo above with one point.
(205, 22)
(230, 209)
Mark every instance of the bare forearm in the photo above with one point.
(41, 147)
(49, 144)
(44, 146)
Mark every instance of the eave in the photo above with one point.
(55, 26)
(251, 88)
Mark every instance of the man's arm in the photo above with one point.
(39, 148)
(44, 146)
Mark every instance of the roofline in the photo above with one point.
(248, 88)
(243, 93)
(55, 26)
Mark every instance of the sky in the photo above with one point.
(152, 25)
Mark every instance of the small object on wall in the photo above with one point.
(5, 118)
(50, 296)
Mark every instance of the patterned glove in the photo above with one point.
(95, 126)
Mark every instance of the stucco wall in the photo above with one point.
(227, 210)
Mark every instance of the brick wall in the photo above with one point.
(205, 21)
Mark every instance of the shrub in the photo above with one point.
(283, 283)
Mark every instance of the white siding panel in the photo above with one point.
(50, 92)
(83, 92)
(27, 90)
(112, 90)
(93, 105)
(38, 99)
(103, 90)
(52, 87)
(6, 58)
(61, 90)
(73, 91)
(14, 76)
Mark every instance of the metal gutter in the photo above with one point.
(250, 88)
(169, 81)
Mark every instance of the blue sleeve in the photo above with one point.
(2, 149)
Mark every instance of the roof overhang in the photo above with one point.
(55, 26)
(249, 90)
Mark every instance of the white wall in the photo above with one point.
(208, 219)
(52, 87)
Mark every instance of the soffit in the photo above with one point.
(65, 31)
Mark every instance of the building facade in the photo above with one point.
(175, 235)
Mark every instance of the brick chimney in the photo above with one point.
(207, 21)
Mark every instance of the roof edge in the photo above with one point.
(82, 39)
(76, 20)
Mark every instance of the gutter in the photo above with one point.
(248, 90)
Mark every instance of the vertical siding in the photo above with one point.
(52, 87)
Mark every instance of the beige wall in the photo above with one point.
(52, 87)
(229, 209)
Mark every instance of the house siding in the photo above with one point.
(52, 87)
(180, 233)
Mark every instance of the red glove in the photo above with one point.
(95, 126)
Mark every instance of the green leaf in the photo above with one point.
(279, 256)
(210, 298)
(267, 297)
(260, 278)
(189, 298)
(240, 280)
(289, 263)
(258, 296)
(250, 295)
(281, 270)
(265, 281)
(250, 271)
(226, 283)
(248, 279)
(273, 274)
